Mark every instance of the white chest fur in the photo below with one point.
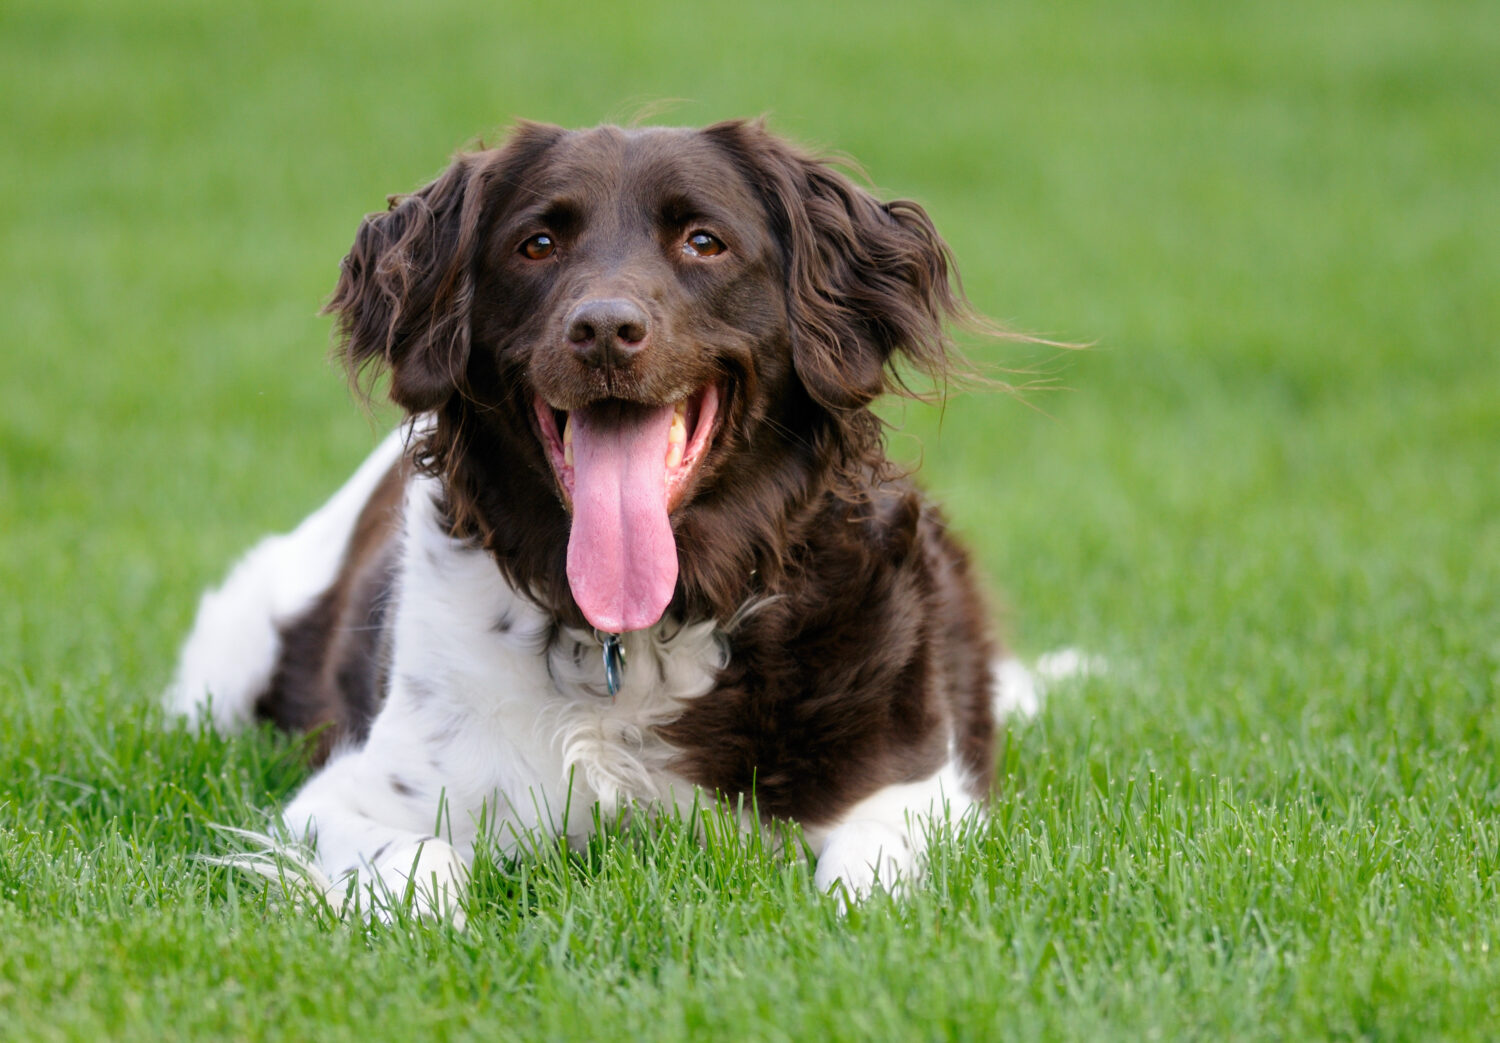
(502, 717)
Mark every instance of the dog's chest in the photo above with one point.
(528, 699)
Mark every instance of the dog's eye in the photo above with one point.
(702, 244)
(538, 247)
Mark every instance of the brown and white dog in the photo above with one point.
(639, 538)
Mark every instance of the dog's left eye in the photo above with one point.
(702, 244)
(538, 247)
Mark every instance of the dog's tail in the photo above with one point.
(1019, 690)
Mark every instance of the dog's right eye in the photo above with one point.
(703, 244)
(538, 247)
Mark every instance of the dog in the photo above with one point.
(638, 539)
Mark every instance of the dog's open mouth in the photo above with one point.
(623, 467)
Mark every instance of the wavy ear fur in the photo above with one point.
(866, 279)
(405, 288)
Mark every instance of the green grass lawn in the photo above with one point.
(1269, 495)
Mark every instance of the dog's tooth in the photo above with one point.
(568, 431)
(568, 455)
(677, 435)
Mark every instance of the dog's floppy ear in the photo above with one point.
(405, 288)
(866, 279)
(402, 299)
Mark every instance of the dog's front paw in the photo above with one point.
(862, 855)
(428, 873)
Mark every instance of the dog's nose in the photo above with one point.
(608, 330)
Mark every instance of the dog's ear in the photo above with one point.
(865, 279)
(405, 288)
(402, 299)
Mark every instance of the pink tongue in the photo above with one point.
(622, 559)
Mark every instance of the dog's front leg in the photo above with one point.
(370, 822)
(880, 842)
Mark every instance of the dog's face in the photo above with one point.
(633, 311)
(629, 285)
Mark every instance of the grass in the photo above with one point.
(1269, 498)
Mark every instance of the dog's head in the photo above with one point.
(656, 327)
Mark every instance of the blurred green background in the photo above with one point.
(1276, 223)
(1268, 492)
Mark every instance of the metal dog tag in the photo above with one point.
(614, 662)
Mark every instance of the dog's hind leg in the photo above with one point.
(232, 650)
